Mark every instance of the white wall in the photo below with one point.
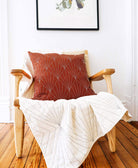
(110, 47)
(4, 68)
(136, 56)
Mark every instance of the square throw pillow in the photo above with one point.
(59, 76)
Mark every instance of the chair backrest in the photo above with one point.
(29, 93)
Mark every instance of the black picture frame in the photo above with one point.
(51, 28)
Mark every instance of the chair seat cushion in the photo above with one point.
(59, 76)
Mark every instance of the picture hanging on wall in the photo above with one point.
(67, 14)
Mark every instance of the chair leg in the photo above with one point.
(112, 139)
(19, 131)
(112, 134)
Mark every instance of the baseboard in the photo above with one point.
(4, 109)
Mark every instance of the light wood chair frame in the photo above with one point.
(19, 116)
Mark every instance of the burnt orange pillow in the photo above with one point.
(59, 76)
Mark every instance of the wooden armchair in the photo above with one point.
(19, 117)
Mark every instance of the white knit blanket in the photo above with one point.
(66, 129)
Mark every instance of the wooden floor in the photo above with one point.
(99, 157)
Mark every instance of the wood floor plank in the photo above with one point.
(130, 128)
(20, 162)
(112, 158)
(2, 125)
(4, 131)
(9, 154)
(42, 162)
(26, 128)
(89, 162)
(127, 144)
(7, 157)
(7, 138)
(125, 157)
(34, 156)
(134, 123)
(132, 138)
(99, 157)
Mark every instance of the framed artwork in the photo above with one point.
(67, 14)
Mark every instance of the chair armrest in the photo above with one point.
(100, 75)
(16, 102)
(20, 72)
